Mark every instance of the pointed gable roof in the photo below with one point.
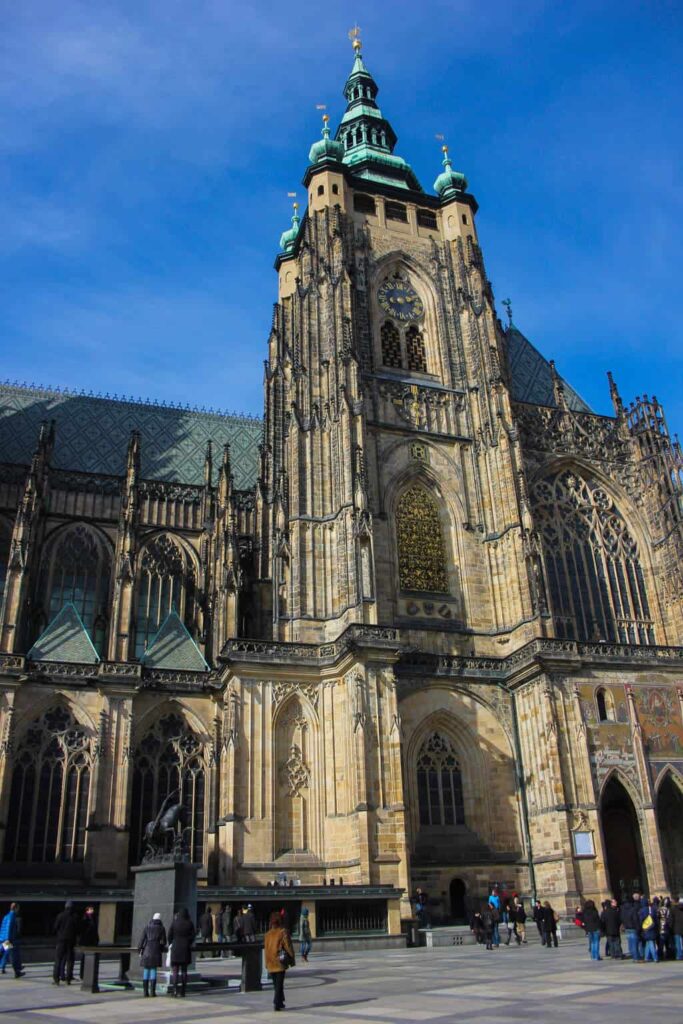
(532, 377)
(174, 648)
(65, 639)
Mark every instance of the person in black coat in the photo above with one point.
(66, 931)
(205, 924)
(549, 922)
(151, 948)
(610, 920)
(181, 936)
(88, 934)
(591, 922)
(249, 925)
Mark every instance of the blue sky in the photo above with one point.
(147, 150)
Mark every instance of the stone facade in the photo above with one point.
(442, 622)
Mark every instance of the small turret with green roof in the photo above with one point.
(450, 183)
(288, 238)
(326, 150)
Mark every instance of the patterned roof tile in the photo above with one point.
(92, 435)
(174, 648)
(65, 639)
(531, 377)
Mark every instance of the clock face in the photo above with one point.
(400, 300)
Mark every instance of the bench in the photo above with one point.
(251, 954)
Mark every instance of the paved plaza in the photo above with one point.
(438, 985)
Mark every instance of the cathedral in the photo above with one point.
(421, 625)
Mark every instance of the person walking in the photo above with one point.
(66, 932)
(88, 935)
(519, 918)
(677, 927)
(305, 933)
(180, 936)
(205, 927)
(550, 921)
(279, 955)
(648, 930)
(631, 922)
(249, 924)
(152, 946)
(610, 920)
(591, 922)
(10, 941)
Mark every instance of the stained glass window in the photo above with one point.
(439, 783)
(50, 791)
(595, 578)
(165, 582)
(169, 758)
(78, 570)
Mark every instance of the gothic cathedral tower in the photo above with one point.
(392, 488)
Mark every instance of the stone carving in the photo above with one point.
(295, 773)
(421, 550)
(285, 689)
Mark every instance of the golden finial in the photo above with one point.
(444, 148)
(326, 118)
(296, 206)
(354, 36)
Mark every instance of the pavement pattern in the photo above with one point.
(441, 985)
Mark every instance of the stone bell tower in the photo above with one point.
(388, 429)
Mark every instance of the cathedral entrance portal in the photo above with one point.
(458, 907)
(670, 824)
(621, 837)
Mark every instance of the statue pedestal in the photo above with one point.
(163, 888)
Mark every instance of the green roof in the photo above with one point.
(532, 379)
(92, 434)
(65, 639)
(174, 648)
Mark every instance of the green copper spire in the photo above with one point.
(326, 150)
(449, 183)
(367, 138)
(288, 238)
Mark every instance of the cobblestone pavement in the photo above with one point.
(438, 985)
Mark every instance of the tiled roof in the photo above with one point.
(65, 639)
(174, 648)
(531, 377)
(92, 435)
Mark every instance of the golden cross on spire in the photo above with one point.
(354, 36)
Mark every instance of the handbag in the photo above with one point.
(284, 957)
(168, 955)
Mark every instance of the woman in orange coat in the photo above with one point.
(279, 956)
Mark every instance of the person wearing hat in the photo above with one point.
(151, 948)
(677, 927)
(305, 934)
(66, 931)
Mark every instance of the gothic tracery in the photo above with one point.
(421, 548)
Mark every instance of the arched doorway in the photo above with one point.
(458, 890)
(670, 824)
(621, 837)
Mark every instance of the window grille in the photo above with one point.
(396, 211)
(391, 346)
(421, 549)
(415, 350)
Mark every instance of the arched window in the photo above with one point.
(165, 581)
(169, 758)
(595, 578)
(78, 569)
(421, 549)
(48, 805)
(439, 783)
(415, 350)
(605, 705)
(391, 346)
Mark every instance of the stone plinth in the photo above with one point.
(164, 889)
